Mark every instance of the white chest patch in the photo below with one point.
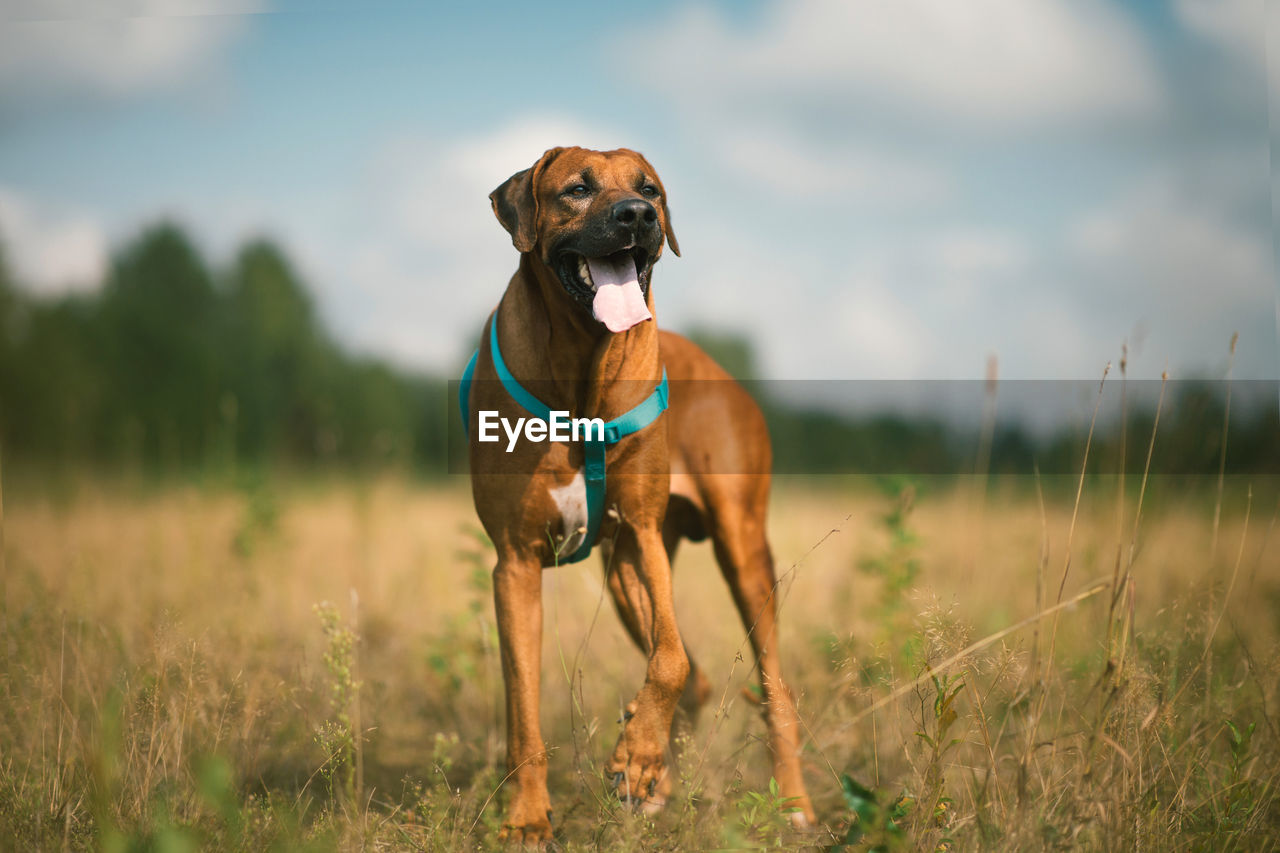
(571, 501)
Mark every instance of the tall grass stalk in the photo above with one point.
(982, 463)
(1222, 453)
(1075, 513)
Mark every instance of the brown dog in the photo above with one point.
(573, 329)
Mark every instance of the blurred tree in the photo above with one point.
(163, 334)
(50, 375)
(276, 400)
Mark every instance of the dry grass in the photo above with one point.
(165, 673)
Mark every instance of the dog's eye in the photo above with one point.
(649, 191)
(577, 190)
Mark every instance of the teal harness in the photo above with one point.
(593, 448)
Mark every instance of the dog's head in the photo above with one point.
(597, 219)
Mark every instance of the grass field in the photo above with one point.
(314, 664)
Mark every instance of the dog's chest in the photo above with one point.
(571, 502)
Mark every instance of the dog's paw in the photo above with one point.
(637, 767)
(536, 834)
(642, 785)
(526, 825)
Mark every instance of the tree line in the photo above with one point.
(174, 365)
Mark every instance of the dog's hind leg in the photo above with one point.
(747, 564)
(697, 690)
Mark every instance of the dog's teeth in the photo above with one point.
(585, 273)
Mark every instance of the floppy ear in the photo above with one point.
(666, 223)
(666, 212)
(516, 204)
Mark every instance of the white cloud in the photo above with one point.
(803, 169)
(931, 305)
(881, 334)
(1007, 62)
(969, 252)
(1181, 250)
(1187, 266)
(77, 48)
(51, 250)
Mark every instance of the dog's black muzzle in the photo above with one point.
(630, 225)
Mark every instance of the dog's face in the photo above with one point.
(588, 216)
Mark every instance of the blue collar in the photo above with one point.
(593, 448)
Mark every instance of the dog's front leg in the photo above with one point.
(637, 762)
(517, 592)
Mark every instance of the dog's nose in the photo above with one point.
(634, 213)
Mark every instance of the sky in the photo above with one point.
(869, 190)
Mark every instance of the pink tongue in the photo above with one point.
(619, 304)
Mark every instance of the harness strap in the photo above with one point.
(593, 448)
